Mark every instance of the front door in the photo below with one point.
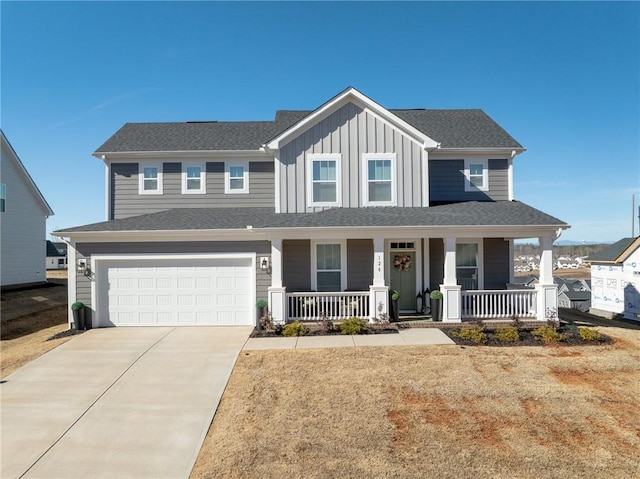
(403, 278)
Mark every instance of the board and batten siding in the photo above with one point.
(126, 200)
(350, 131)
(23, 230)
(446, 182)
(261, 248)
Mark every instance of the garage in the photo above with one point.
(175, 291)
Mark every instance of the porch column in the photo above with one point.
(452, 292)
(378, 291)
(277, 299)
(547, 300)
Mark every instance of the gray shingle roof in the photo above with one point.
(612, 252)
(452, 128)
(473, 213)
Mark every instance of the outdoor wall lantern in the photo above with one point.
(264, 264)
(83, 267)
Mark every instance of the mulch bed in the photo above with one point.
(315, 330)
(64, 334)
(571, 338)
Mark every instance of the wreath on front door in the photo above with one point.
(402, 262)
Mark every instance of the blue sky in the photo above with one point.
(562, 78)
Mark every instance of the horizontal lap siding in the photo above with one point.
(350, 131)
(436, 263)
(359, 264)
(446, 182)
(496, 263)
(296, 265)
(126, 201)
(261, 248)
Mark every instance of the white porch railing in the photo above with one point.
(332, 306)
(484, 304)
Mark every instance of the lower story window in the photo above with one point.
(467, 265)
(328, 267)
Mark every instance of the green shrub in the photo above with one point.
(474, 335)
(436, 294)
(395, 295)
(548, 334)
(262, 303)
(589, 334)
(295, 329)
(353, 326)
(509, 334)
(77, 306)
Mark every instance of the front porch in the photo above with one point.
(310, 282)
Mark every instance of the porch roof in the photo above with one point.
(473, 213)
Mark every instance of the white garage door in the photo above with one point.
(173, 292)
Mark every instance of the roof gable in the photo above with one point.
(617, 252)
(350, 95)
(31, 185)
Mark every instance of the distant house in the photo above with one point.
(56, 257)
(23, 215)
(574, 299)
(615, 280)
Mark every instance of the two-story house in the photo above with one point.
(321, 212)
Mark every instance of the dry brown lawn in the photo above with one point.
(25, 338)
(431, 412)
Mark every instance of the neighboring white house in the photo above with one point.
(23, 215)
(56, 256)
(615, 280)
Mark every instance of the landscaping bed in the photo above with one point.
(327, 328)
(561, 335)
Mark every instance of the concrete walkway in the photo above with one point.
(117, 402)
(405, 337)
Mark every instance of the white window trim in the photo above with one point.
(3, 196)
(480, 243)
(337, 157)
(485, 174)
(227, 177)
(141, 167)
(343, 262)
(203, 178)
(365, 178)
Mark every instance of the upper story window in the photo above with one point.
(379, 179)
(476, 175)
(323, 179)
(236, 177)
(194, 178)
(3, 197)
(150, 182)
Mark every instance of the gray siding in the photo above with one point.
(359, 264)
(296, 267)
(261, 248)
(496, 263)
(446, 182)
(125, 200)
(350, 131)
(436, 263)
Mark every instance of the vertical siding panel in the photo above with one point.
(388, 139)
(380, 137)
(361, 145)
(417, 175)
(300, 180)
(371, 134)
(354, 167)
(408, 177)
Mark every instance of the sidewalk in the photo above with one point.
(405, 337)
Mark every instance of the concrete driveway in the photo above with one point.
(118, 402)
